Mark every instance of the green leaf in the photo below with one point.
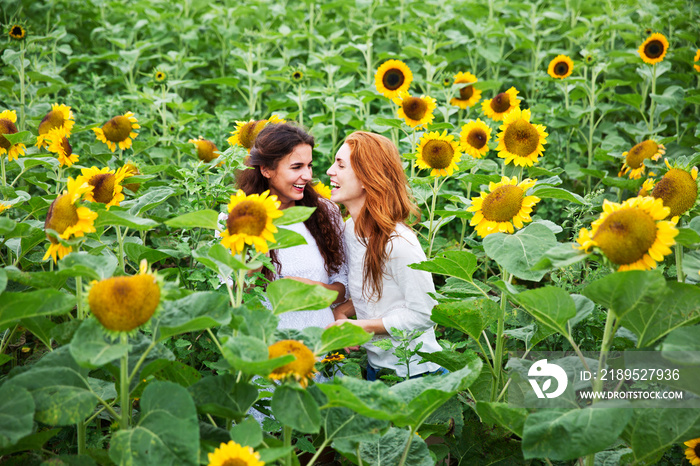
(344, 424)
(549, 192)
(366, 398)
(149, 199)
(167, 431)
(31, 442)
(91, 348)
(622, 292)
(391, 122)
(137, 252)
(342, 336)
(125, 219)
(518, 253)
(220, 260)
(22, 137)
(3, 280)
(682, 346)
(172, 371)
(222, 396)
(15, 306)
(250, 355)
(296, 408)
(459, 264)
(687, 237)
(552, 307)
(560, 256)
(247, 433)
(200, 219)
(389, 448)
(287, 295)
(293, 215)
(226, 81)
(450, 360)
(470, 316)
(285, 238)
(565, 435)
(503, 415)
(16, 414)
(198, 311)
(651, 432)
(82, 264)
(40, 327)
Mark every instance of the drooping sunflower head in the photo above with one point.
(474, 138)
(696, 60)
(416, 111)
(206, 150)
(246, 131)
(635, 157)
(233, 454)
(468, 95)
(301, 369)
(67, 219)
(250, 221)
(498, 107)
(560, 67)
(106, 183)
(323, 190)
(118, 131)
(504, 207)
(131, 170)
(438, 153)
(58, 144)
(654, 48)
(519, 141)
(17, 32)
(392, 78)
(678, 189)
(60, 117)
(632, 235)
(8, 118)
(122, 304)
(692, 453)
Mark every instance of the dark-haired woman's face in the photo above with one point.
(289, 179)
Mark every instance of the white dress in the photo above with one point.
(405, 303)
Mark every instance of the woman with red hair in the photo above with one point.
(386, 295)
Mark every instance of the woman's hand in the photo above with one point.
(344, 310)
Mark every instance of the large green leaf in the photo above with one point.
(193, 313)
(16, 306)
(287, 295)
(568, 434)
(653, 431)
(222, 396)
(549, 192)
(293, 215)
(296, 408)
(459, 264)
(250, 355)
(518, 253)
(369, 399)
(200, 219)
(622, 292)
(91, 348)
(502, 414)
(167, 432)
(149, 199)
(247, 433)
(470, 316)
(125, 219)
(285, 238)
(345, 424)
(450, 360)
(16, 414)
(552, 307)
(342, 336)
(389, 449)
(220, 260)
(136, 252)
(172, 371)
(82, 264)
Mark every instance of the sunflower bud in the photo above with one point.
(122, 304)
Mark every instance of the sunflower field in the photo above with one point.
(552, 146)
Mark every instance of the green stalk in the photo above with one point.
(81, 427)
(300, 105)
(120, 240)
(79, 297)
(2, 164)
(319, 450)
(287, 438)
(431, 214)
(591, 124)
(496, 381)
(408, 445)
(124, 384)
(652, 105)
(679, 263)
(21, 86)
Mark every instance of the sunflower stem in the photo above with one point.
(21, 86)
(431, 233)
(124, 384)
(287, 438)
(120, 240)
(652, 105)
(591, 123)
(2, 164)
(79, 296)
(497, 363)
(408, 446)
(300, 104)
(608, 335)
(679, 263)
(319, 450)
(81, 427)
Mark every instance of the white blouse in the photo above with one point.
(405, 303)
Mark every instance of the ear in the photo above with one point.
(266, 172)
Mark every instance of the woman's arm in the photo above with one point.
(344, 310)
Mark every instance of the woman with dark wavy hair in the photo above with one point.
(281, 162)
(387, 296)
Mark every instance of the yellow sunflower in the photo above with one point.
(647, 187)
(678, 189)
(206, 150)
(635, 157)
(323, 190)
(246, 131)
(122, 304)
(697, 61)
(416, 111)
(505, 206)
(131, 170)
(297, 76)
(498, 107)
(59, 145)
(560, 67)
(160, 77)
(8, 118)
(118, 131)
(468, 96)
(233, 454)
(106, 183)
(250, 221)
(439, 153)
(60, 117)
(693, 451)
(67, 219)
(633, 235)
(653, 50)
(392, 78)
(474, 138)
(4, 207)
(333, 357)
(17, 32)
(519, 141)
(301, 369)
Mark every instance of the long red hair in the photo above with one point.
(377, 164)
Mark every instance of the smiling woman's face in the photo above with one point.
(289, 179)
(346, 187)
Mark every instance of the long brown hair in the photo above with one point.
(377, 164)
(272, 144)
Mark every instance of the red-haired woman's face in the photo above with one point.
(346, 188)
(289, 179)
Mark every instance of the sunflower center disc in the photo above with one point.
(466, 92)
(62, 214)
(247, 217)
(654, 49)
(415, 108)
(521, 138)
(104, 187)
(249, 132)
(438, 154)
(6, 127)
(500, 103)
(626, 235)
(67, 148)
(52, 120)
(678, 190)
(393, 79)
(235, 462)
(124, 303)
(697, 450)
(301, 366)
(503, 203)
(561, 68)
(643, 150)
(16, 31)
(476, 138)
(117, 129)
